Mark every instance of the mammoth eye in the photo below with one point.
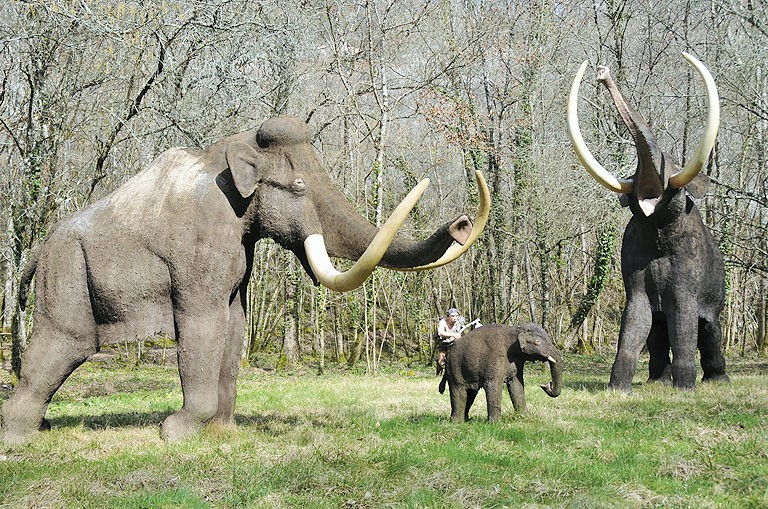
(299, 182)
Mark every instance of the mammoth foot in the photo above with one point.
(19, 424)
(620, 387)
(22, 434)
(179, 426)
(18, 437)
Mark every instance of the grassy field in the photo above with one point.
(351, 441)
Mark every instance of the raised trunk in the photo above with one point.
(650, 176)
(636, 124)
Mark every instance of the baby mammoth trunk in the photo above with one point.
(554, 387)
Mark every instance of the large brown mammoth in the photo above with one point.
(671, 265)
(171, 251)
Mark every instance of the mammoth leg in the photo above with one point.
(516, 390)
(63, 338)
(230, 363)
(459, 402)
(712, 360)
(201, 348)
(682, 327)
(471, 395)
(635, 326)
(49, 360)
(659, 365)
(493, 401)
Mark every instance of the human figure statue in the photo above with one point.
(448, 330)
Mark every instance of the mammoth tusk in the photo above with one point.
(456, 250)
(694, 166)
(598, 172)
(550, 359)
(326, 273)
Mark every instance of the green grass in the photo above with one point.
(344, 440)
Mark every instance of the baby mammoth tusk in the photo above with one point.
(326, 273)
(699, 159)
(456, 250)
(588, 161)
(550, 359)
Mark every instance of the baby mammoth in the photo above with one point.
(494, 355)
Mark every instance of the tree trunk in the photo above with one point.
(357, 349)
(289, 356)
(8, 298)
(762, 316)
(529, 280)
(321, 316)
(18, 340)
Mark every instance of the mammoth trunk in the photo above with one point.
(323, 269)
(347, 235)
(645, 142)
(554, 387)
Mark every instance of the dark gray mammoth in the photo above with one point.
(495, 355)
(671, 265)
(171, 251)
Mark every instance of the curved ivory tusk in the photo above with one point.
(600, 174)
(326, 273)
(456, 250)
(699, 159)
(551, 359)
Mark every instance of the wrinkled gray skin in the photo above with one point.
(492, 356)
(673, 271)
(171, 252)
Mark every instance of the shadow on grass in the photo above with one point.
(115, 420)
(272, 423)
(333, 419)
(746, 366)
(278, 423)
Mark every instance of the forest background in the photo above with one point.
(394, 91)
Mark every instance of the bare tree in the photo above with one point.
(395, 90)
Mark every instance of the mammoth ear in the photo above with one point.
(531, 336)
(698, 186)
(528, 340)
(244, 162)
